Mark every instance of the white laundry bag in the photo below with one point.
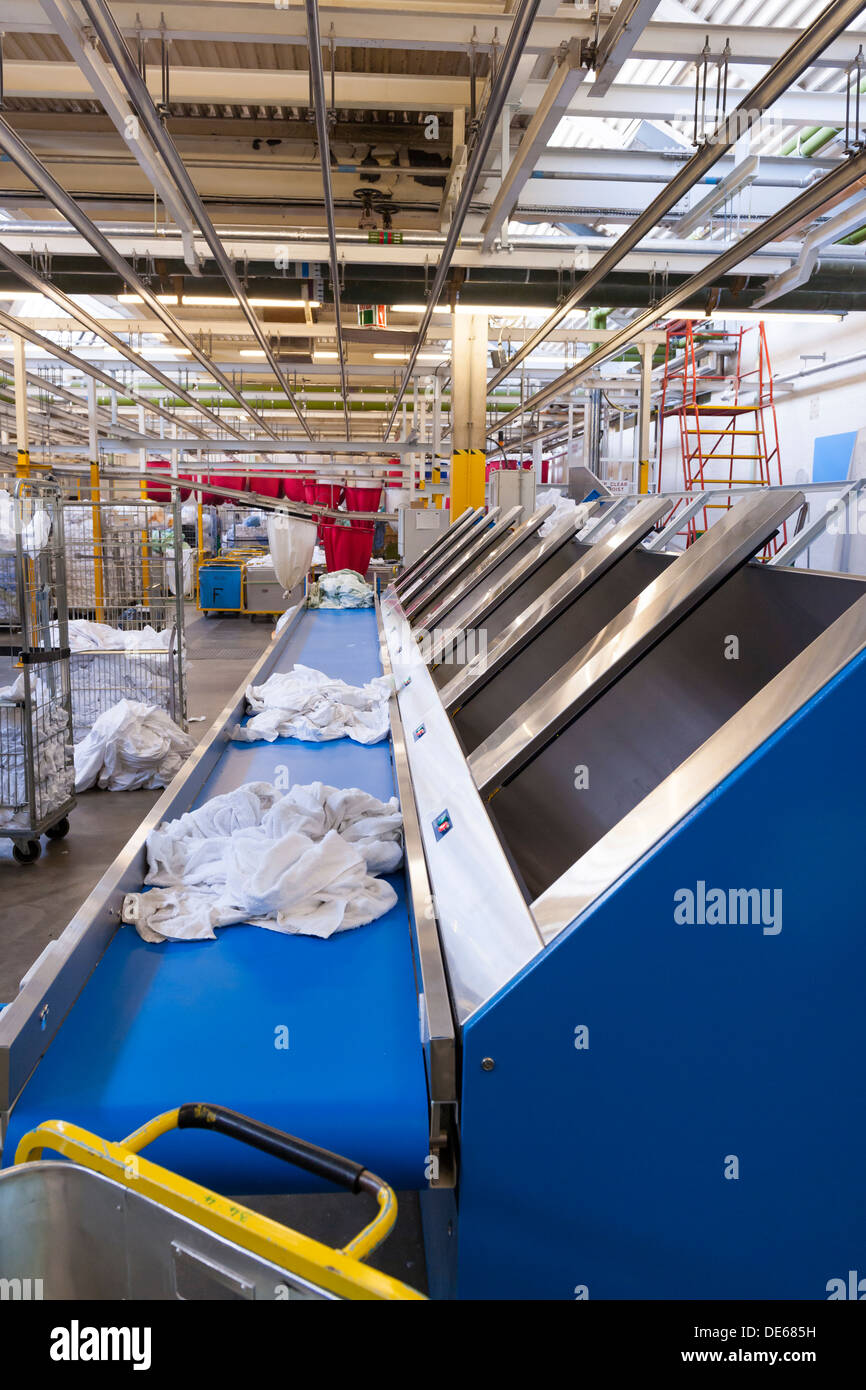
(291, 541)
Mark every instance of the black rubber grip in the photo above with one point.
(276, 1142)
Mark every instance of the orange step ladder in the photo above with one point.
(731, 444)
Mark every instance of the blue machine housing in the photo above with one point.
(707, 1141)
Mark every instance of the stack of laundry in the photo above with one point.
(110, 663)
(51, 763)
(305, 703)
(304, 861)
(341, 589)
(131, 746)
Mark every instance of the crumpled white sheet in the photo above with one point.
(54, 777)
(302, 861)
(101, 675)
(564, 507)
(341, 589)
(131, 746)
(88, 636)
(305, 703)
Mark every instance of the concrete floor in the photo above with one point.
(37, 900)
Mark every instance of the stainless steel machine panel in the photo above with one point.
(587, 570)
(500, 615)
(446, 555)
(692, 577)
(501, 561)
(494, 541)
(656, 715)
(490, 703)
(458, 528)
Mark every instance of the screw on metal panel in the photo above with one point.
(488, 1064)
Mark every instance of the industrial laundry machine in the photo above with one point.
(611, 1029)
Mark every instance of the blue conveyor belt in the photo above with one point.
(159, 1025)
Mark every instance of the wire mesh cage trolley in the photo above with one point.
(37, 775)
(126, 590)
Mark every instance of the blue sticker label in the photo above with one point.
(420, 731)
(442, 824)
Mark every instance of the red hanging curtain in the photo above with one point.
(351, 549)
(156, 491)
(266, 485)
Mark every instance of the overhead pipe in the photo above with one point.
(32, 168)
(13, 325)
(848, 175)
(317, 82)
(40, 285)
(114, 44)
(53, 388)
(793, 62)
(505, 73)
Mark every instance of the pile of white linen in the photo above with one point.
(305, 703)
(131, 746)
(302, 861)
(341, 589)
(101, 675)
(53, 765)
(564, 507)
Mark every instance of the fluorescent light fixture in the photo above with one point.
(252, 352)
(391, 356)
(511, 311)
(225, 301)
(324, 356)
(755, 316)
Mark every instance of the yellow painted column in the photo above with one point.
(98, 568)
(467, 480)
(468, 411)
(22, 423)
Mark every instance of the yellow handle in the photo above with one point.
(338, 1271)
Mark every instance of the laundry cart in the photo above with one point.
(126, 587)
(108, 1224)
(37, 777)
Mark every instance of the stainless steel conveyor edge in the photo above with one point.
(486, 928)
(438, 1035)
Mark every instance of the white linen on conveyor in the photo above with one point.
(303, 861)
(131, 746)
(53, 774)
(341, 589)
(305, 703)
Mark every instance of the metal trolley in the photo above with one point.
(108, 1224)
(37, 774)
(125, 568)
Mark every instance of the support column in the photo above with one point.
(468, 411)
(643, 453)
(22, 424)
(95, 499)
